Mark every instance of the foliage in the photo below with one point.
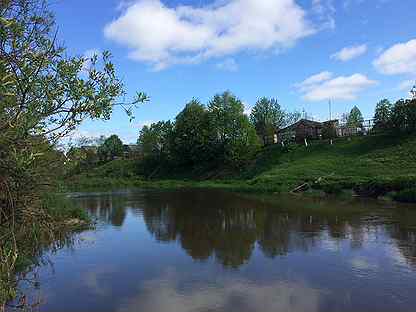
(382, 116)
(406, 196)
(403, 116)
(192, 135)
(355, 118)
(329, 131)
(267, 117)
(44, 95)
(155, 143)
(235, 139)
(111, 148)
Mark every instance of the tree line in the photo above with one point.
(399, 117)
(217, 135)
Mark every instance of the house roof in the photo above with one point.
(305, 122)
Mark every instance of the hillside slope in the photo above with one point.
(363, 163)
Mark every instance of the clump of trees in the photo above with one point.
(400, 117)
(215, 135)
(209, 137)
(268, 117)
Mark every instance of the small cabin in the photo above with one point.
(300, 130)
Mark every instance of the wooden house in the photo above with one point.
(300, 130)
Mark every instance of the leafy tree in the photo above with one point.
(329, 130)
(44, 95)
(155, 141)
(382, 117)
(404, 115)
(111, 148)
(355, 118)
(267, 117)
(191, 135)
(235, 139)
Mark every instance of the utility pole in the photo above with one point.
(330, 109)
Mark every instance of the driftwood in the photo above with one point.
(301, 188)
(306, 186)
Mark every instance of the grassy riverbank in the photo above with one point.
(46, 228)
(371, 166)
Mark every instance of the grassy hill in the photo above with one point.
(371, 166)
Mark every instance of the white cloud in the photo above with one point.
(406, 85)
(163, 36)
(313, 80)
(321, 87)
(143, 123)
(349, 53)
(228, 64)
(398, 59)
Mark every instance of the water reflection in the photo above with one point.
(229, 294)
(215, 251)
(228, 227)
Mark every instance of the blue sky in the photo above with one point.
(302, 52)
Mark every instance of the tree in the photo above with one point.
(267, 117)
(329, 130)
(355, 118)
(382, 116)
(191, 135)
(44, 95)
(403, 116)
(235, 139)
(155, 141)
(111, 148)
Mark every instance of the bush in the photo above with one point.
(406, 196)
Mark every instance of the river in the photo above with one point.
(209, 250)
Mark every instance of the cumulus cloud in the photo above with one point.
(313, 80)
(398, 59)
(406, 85)
(163, 36)
(323, 87)
(228, 64)
(349, 53)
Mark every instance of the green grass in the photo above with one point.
(381, 161)
(371, 166)
(61, 208)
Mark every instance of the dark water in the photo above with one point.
(186, 251)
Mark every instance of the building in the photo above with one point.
(131, 151)
(300, 130)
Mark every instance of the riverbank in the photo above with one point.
(376, 166)
(49, 227)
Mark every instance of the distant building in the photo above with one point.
(300, 130)
(131, 151)
(313, 130)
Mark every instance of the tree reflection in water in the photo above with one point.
(228, 226)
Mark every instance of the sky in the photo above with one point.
(304, 53)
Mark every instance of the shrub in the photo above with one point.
(406, 196)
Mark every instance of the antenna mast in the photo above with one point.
(330, 109)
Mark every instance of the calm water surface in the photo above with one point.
(191, 250)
